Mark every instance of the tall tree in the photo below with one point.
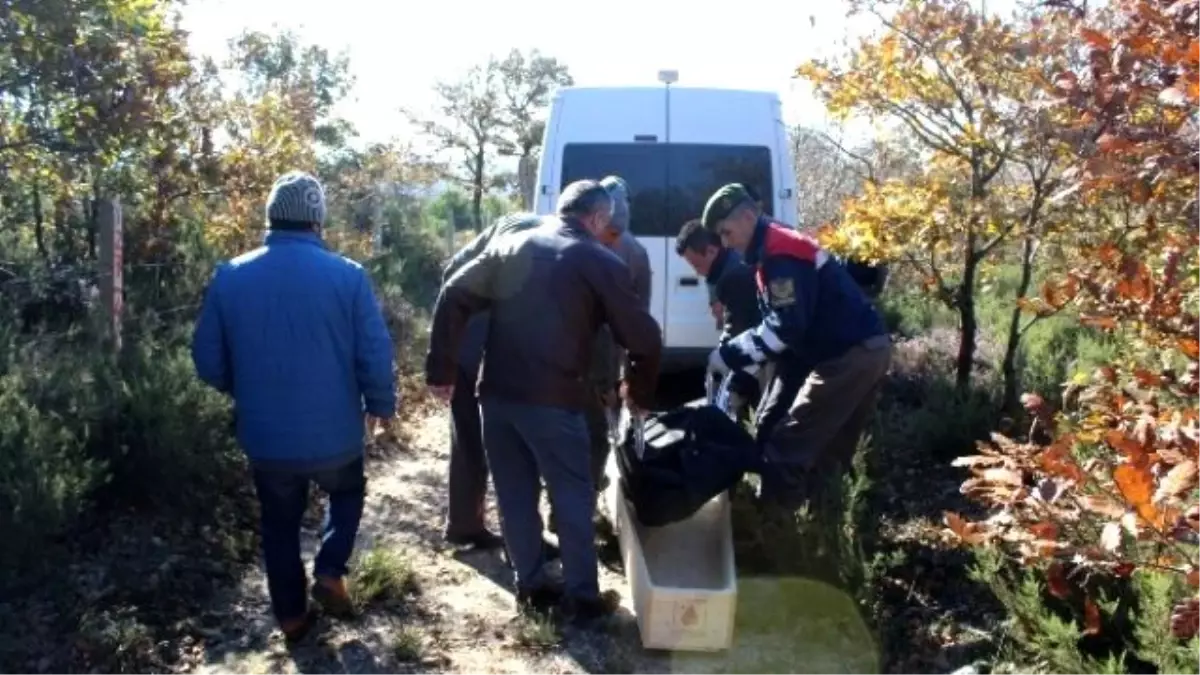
(468, 121)
(308, 76)
(497, 108)
(527, 83)
(1116, 467)
(277, 121)
(83, 89)
(958, 81)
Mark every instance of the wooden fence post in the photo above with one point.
(111, 268)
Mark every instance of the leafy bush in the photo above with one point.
(76, 425)
(46, 475)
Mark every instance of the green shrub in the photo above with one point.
(78, 428)
(172, 444)
(46, 475)
(411, 262)
(909, 313)
(1129, 632)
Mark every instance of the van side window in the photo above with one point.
(670, 183)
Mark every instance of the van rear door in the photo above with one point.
(596, 132)
(643, 166)
(743, 124)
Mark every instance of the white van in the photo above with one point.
(674, 146)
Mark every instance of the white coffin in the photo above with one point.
(682, 576)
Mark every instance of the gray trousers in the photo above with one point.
(468, 464)
(525, 444)
(597, 424)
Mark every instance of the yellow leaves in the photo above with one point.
(268, 139)
(886, 220)
(887, 50)
(814, 72)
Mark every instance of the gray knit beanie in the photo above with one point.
(620, 195)
(297, 197)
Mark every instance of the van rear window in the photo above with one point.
(669, 183)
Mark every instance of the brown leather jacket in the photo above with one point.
(548, 290)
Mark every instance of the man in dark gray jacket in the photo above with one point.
(548, 289)
(465, 524)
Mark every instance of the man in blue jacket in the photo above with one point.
(293, 333)
(830, 345)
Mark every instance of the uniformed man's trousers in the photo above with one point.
(468, 464)
(527, 443)
(814, 439)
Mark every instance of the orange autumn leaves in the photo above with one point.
(1116, 487)
(1109, 482)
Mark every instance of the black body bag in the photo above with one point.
(684, 458)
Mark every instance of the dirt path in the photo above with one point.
(460, 618)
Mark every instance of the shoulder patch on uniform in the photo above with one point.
(782, 292)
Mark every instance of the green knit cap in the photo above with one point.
(723, 202)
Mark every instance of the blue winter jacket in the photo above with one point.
(294, 334)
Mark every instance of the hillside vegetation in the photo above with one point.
(1027, 500)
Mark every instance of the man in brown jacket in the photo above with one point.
(548, 289)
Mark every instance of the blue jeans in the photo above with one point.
(524, 444)
(283, 496)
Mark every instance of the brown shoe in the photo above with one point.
(331, 594)
(295, 630)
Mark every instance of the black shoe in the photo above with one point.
(480, 541)
(591, 612)
(540, 600)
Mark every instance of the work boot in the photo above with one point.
(591, 613)
(331, 594)
(480, 541)
(295, 630)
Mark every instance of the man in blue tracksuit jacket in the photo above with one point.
(294, 334)
(830, 346)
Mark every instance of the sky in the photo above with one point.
(397, 54)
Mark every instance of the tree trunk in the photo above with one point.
(968, 326)
(39, 225)
(968, 322)
(1012, 393)
(527, 179)
(477, 190)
